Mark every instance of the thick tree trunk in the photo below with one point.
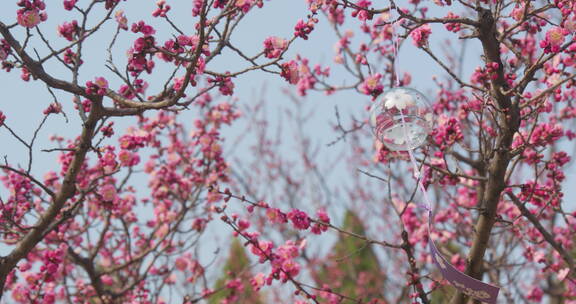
(498, 160)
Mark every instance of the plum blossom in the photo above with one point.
(420, 35)
(554, 39)
(162, 9)
(274, 46)
(258, 281)
(290, 72)
(447, 133)
(399, 99)
(5, 49)
(142, 27)
(68, 30)
(535, 295)
(569, 24)
(69, 4)
(453, 26)
(245, 5)
(121, 20)
(53, 108)
(303, 29)
(372, 85)
(31, 13)
(99, 86)
(71, 58)
(299, 218)
(362, 13)
(29, 18)
(225, 84)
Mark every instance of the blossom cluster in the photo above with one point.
(31, 13)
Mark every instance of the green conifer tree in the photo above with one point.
(354, 263)
(237, 266)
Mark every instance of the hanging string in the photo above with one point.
(395, 46)
(395, 65)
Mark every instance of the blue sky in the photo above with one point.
(23, 102)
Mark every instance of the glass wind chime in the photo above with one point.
(402, 119)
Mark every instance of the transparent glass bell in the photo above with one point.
(402, 118)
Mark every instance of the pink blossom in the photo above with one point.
(181, 263)
(420, 35)
(29, 18)
(197, 7)
(453, 26)
(99, 86)
(275, 215)
(53, 108)
(68, 30)
(563, 273)
(569, 24)
(128, 159)
(535, 295)
(323, 217)
(225, 84)
(553, 41)
(162, 9)
(142, 27)
(274, 46)
(69, 4)
(31, 12)
(458, 262)
(290, 72)
(361, 12)
(244, 5)
(107, 280)
(258, 281)
(107, 130)
(5, 49)
(447, 133)
(121, 20)
(303, 29)
(372, 85)
(25, 74)
(2, 118)
(243, 224)
(70, 58)
(546, 133)
(299, 219)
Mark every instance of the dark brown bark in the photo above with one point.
(498, 160)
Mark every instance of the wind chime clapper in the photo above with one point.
(402, 119)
